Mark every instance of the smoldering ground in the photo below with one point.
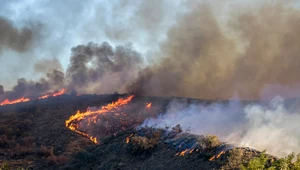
(271, 126)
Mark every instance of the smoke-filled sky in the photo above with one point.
(57, 26)
(190, 48)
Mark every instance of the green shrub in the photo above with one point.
(257, 163)
(263, 162)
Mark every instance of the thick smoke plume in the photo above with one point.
(250, 52)
(93, 68)
(101, 68)
(54, 80)
(14, 38)
(244, 53)
(47, 65)
(261, 126)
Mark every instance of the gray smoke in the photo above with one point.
(101, 68)
(93, 68)
(249, 52)
(1, 90)
(205, 56)
(270, 126)
(47, 65)
(52, 82)
(14, 38)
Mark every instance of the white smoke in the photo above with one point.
(261, 126)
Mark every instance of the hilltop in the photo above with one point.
(33, 135)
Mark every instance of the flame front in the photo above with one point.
(54, 94)
(24, 99)
(91, 116)
(217, 156)
(20, 100)
(182, 153)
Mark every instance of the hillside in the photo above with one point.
(33, 135)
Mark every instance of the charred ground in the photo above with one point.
(34, 135)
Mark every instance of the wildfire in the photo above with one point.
(128, 138)
(182, 153)
(148, 105)
(24, 99)
(20, 100)
(54, 94)
(91, 116)
(216, 156)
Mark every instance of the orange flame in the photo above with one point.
(182, 153)
(44, 97)
(23, 99)
(148, 106)
(54, 94)
(20, 100)
(128, 138)
(59, 93)
(217, 156)
(71, 123)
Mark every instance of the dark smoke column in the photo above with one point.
(13, 38)
(1, 90)
(102, 68)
